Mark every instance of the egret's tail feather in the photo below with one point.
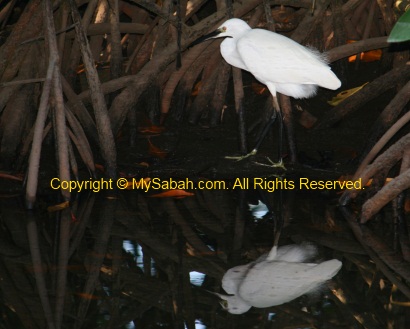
(331, 81)
(328, 269)
(297, 90)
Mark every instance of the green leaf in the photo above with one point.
(401, 30)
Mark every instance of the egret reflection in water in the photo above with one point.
(275, 278)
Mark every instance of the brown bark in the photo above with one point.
(105, 133)
(384, 162)
(373, 205)
(356, 47)
(388, 119)
(369, 92)
(116, 48)
(11, 53)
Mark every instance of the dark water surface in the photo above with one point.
(141, 261)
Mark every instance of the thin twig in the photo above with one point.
(21, 82)
(41, 37)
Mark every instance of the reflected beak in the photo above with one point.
(224, 304)
(204, 38)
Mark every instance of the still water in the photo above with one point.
(140, 260)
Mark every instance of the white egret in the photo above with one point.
(275, 278)
(280, 63)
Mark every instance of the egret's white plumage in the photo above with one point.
(280, 63)
(268, 282)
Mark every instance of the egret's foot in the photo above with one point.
(279, 164)
(239, 158)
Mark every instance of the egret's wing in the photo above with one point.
(274, 283)
(272, 57)
(233, 278)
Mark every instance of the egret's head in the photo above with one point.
(233, 304)
(233, 28)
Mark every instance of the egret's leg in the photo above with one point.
(266, 130)
(273, 252)
(278, 229)
(278, 111)
(260, 140)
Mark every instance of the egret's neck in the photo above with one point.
(231, 55)
(272, 254)
(238, 32)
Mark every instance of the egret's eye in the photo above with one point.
(223, 28)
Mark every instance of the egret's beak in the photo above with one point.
(205, 37)
(223, 302)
